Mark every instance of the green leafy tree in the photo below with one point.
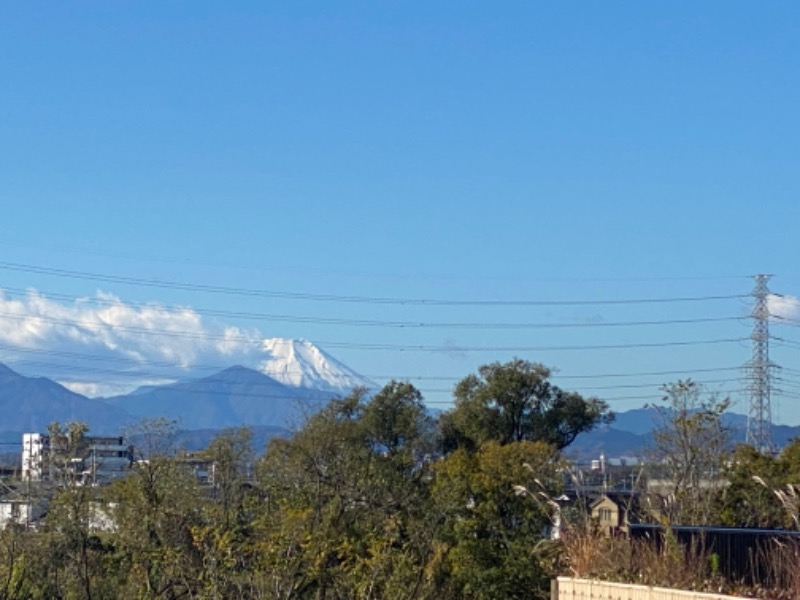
(789, 462)
(491, 536)
(155, 510)
(748, 499)
(395, 418)
(224, 536)
(757, 494)
(346, 512)
(67, 555)
(513, 402)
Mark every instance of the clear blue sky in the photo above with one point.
(458, 151)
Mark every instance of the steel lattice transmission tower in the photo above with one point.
(759, 372)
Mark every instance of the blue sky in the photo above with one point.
(453, 151)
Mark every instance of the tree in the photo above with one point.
(67, 446)
(747, 501)
(395, 418)
(231, 455)
(691, 449)
(755, 494)
(491, 532)
(155, 511)
(224, 537)
(515, 401)
(347, 511)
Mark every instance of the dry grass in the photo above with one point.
(663, 562)
(780, 565)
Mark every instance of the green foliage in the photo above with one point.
(395, 418)
(515, 401)
(348, 504)
(750, 502)
(155, 510)
(491, 531)
(356, 504)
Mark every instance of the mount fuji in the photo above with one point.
(301, 364)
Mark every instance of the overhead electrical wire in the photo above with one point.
(650, 373)
(785, 343)
(456, 348)
(359, 345)
(252, 388)
(164, 284)
(557, 375)
(182, 388)
(144, 374)
(590, 390)
(378, 322)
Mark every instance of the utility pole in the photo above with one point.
(759, 372)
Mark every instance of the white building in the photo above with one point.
(35, 447)
(100, 459)
(20, 512)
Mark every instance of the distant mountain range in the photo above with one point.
(297, 379)
(302, 378)
(631, 434)
(235, 396)
(31, 403)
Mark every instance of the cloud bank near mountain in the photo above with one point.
(101, 345)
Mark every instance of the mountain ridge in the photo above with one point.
(232, 397)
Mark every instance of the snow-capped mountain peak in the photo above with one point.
(299, 363)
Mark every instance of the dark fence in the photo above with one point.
(751, 556)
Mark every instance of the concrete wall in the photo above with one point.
(566, 588)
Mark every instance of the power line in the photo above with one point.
(786, 320)
(618, 398)
(378, 322)
(145, 374)
(455, 348)
(558, 375)
(650, 385)
(589, 389)
(357, 345)
(253, 393)
(649, 373)
(164, 284)
(216, 367)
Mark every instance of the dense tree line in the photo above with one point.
(371, 498)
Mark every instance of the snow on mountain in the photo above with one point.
(299, 363)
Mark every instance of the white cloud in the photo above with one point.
(101, 344)
(784, 307)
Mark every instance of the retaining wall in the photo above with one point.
(567, 588)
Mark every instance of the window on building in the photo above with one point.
(605, 514)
